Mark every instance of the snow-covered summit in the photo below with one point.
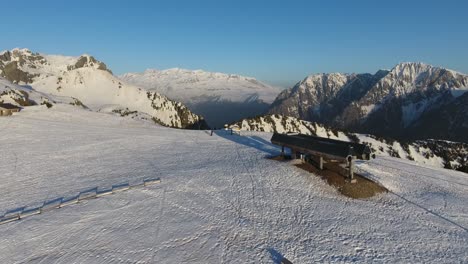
(322, 86)
(408, 77)
(416, 68)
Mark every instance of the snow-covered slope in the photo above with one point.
(26, 96)
(220, 203)
(91, 82)
(219, 97)
(443, 154)
(387, 103)
(449, 120)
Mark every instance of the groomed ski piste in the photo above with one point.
(219, 200)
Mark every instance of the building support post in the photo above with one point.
(350, 163)
(282, 151)
(320, 162)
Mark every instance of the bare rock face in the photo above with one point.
(388, 103)
(11, 63)
(6, 56)
(13, 73)
(88, 61)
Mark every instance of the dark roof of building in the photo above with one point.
(9, 106)
(332, 147)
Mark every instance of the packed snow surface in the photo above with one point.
(220, 199)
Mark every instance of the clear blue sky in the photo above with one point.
(276, 41)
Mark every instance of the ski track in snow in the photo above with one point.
(220, 199)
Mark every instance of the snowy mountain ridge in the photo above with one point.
(409, 77)
(90, 81)
(388, 103)
(190, 85)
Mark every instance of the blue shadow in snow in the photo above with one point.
(275, 256)
(54, 201)
(14, 211)
(250, 141)
(90, 190)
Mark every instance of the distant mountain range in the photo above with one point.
(411, 101)
(92, 83)
(220, 98)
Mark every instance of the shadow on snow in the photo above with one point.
(255, 142)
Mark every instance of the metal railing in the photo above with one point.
(49, 205)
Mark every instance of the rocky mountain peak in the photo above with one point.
(410, 77)
(25, 66)
(320, 79)
(88, 61)
(320, 86)
(381, 73)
